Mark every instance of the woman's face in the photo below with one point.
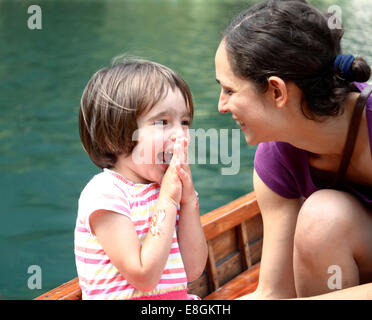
(240, 98)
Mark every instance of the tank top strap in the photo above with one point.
(352, 134)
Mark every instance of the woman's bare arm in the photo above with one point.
(279, 216)
(361, 292)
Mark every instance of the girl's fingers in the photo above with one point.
(182, 174)
(183, 143)
(186, 150)
(185, 177)
(175, 161)
(182, 152)
(178, 151)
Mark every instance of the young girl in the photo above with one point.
(138, 233)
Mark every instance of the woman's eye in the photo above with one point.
(227, 91)
(160, 122)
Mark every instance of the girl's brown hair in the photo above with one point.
(113, 100)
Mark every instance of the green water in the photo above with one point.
(43, 167)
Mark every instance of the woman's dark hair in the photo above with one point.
(292, 40)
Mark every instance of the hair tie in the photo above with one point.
(343, 62)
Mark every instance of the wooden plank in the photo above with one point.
(224, 244)
(200, 286)
(244, 245)
(244, 283)
(229, 268)
(256, 251)
(211, 268)
(254, 228)
(229, 215)
(67, 291)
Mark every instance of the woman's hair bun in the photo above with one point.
(361, 70)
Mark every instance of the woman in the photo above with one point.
(284, 80)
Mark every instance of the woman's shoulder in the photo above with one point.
(360, 86)
(281, 166)
(278, 151)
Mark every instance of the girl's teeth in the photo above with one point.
(167, 157)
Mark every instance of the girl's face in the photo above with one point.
(239, 97)
(154, 150)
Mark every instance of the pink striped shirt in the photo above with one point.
(98, 277)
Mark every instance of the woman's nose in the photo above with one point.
(222, 104)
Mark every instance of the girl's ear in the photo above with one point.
(278, 91)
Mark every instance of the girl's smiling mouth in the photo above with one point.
(164, 157)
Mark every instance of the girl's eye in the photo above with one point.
(160, 122)
(186, 123)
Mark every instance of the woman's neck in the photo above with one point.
(327, 138)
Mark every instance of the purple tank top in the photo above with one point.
(285, 169)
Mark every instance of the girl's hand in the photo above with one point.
(191, 238)
(171, 186)
(188, 192)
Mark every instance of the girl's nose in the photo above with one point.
(179, 131)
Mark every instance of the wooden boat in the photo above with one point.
(234, 234)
